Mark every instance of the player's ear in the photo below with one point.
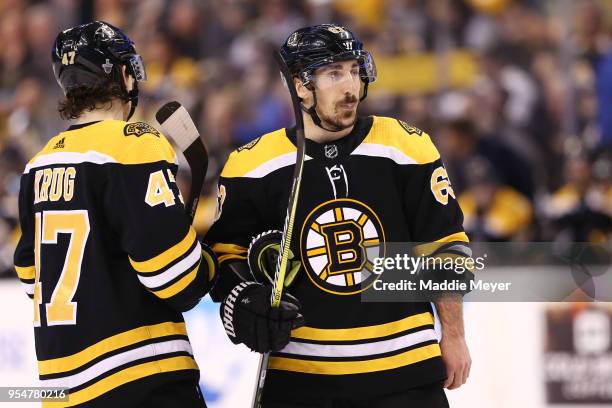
(303, 92)
(128, 80)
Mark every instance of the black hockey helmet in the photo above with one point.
(312, 47)
(92, 54)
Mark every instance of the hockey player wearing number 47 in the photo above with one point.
(366, 181)
(107, 253)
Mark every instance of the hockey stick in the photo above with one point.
(178, 125)
(283, 260)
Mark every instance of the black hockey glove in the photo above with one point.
(249, 318)
(263, 255)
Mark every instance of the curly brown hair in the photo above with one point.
(81, 99)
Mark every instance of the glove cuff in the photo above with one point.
(256, 250)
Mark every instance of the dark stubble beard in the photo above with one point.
(336, 121)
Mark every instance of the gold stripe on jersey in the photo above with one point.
(388, 132)
(165, 258)
(363, 333)
(431, 247)
(128, 338)
(125, 376)
(107, 138)
(268, 148)
(457, 236)
(25, 272)
(179, 285)
(356, 367)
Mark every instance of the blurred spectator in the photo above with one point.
(493, 211)
(10, 170)
(40, 30)
(460, 142)
(581, 210)
(604, 99)
(14, 50)
(263, 110)
(183, 23)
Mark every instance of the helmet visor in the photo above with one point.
(365, 62)
(337, 74)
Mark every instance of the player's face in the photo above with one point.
(337, 87)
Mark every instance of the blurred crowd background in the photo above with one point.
(517, 95)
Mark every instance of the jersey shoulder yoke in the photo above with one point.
(398, 141)
(108, 141)
(261, 156)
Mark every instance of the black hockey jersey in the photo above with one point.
(110, 260)
(384, 182)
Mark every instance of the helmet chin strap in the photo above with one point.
(133, 95)
(365, 90)
(312, 111)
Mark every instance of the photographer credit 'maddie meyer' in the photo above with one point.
(445, 286)
(415, 265)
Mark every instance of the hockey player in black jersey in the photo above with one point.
(367, 181)
(107, 253)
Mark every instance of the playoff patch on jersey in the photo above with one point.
(138, 129)
(410, 129)
(249, 145)
(339, 241)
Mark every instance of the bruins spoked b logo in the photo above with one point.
(339, 241)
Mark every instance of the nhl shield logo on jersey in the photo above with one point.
(331, 151)
(339, 241)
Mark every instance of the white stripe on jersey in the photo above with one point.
(378, 150)
(90, 156)
(182, 266)
(359, 350)
(101, 367)
(284, 160)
